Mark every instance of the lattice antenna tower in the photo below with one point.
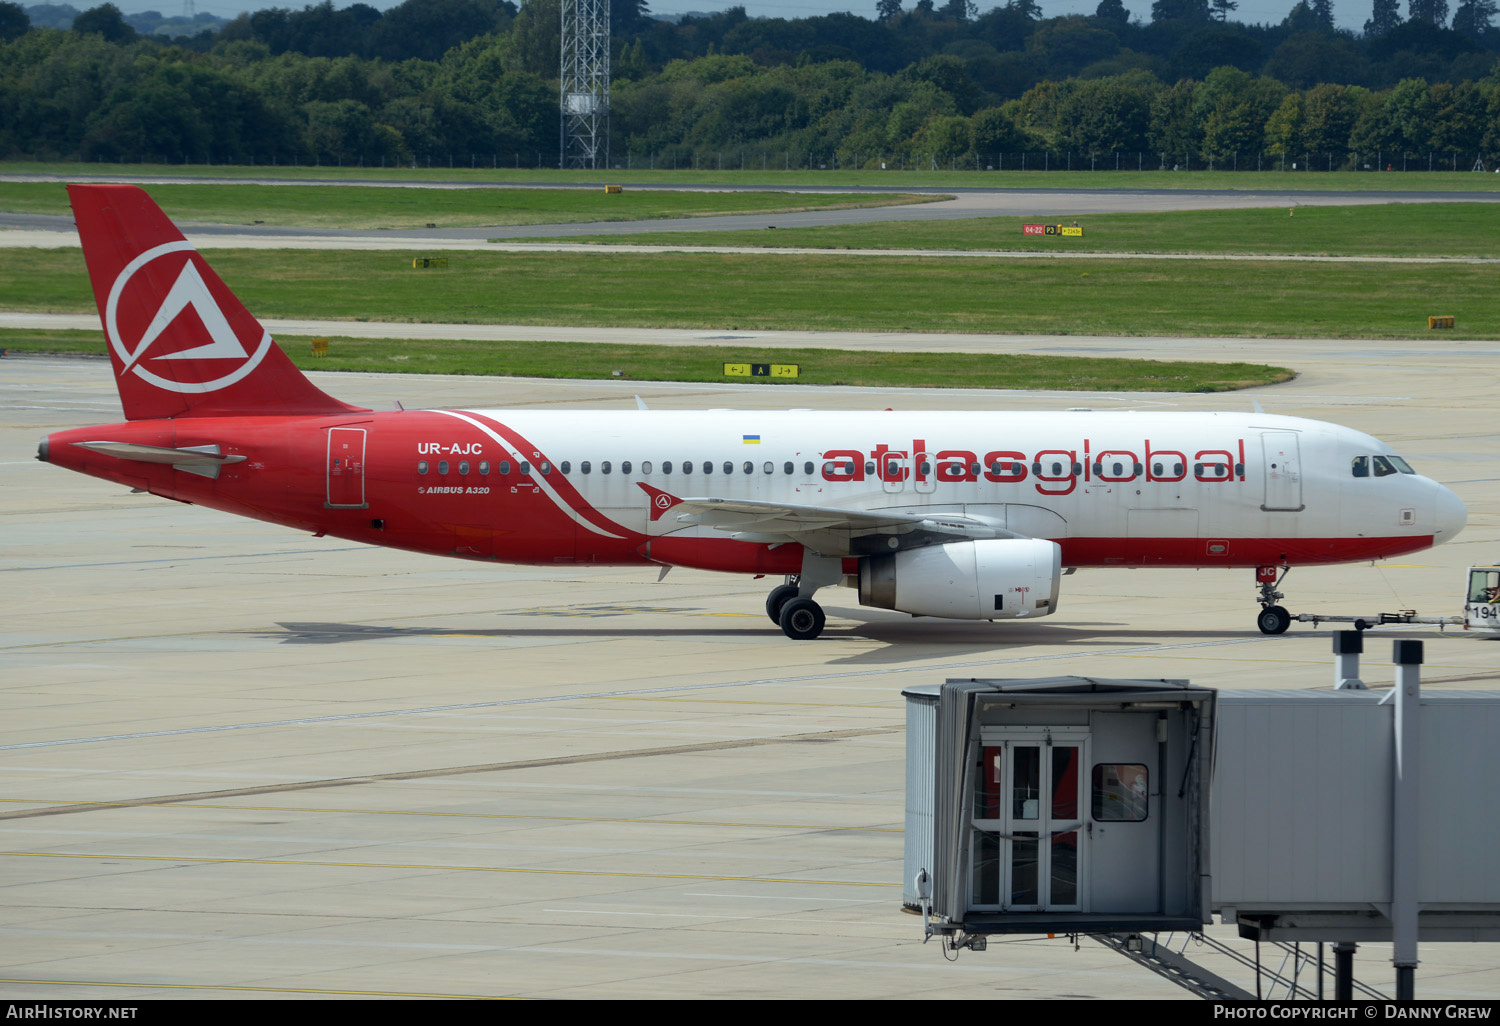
(585, 83)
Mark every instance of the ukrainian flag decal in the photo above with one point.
(752, 439)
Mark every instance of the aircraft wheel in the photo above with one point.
(1273, 620)
(780, 596)
(802, 619)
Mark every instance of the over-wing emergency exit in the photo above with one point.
(962, 515)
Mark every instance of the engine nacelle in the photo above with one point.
(993, 579)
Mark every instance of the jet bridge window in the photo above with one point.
(1121, 794)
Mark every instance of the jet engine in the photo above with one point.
(992, 579)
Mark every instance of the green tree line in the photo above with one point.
(475, 81)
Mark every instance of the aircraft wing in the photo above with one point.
(862, 530)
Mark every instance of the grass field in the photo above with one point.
(833, 293)
(319, 206)
(1433, 181)
(1396, 229)
(706, 363)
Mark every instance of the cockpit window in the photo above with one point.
(1401, 464)
(1382, 466)
(1361, 466)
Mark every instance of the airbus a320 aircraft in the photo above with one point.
(964, 515)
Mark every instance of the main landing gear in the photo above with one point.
(1272, 618)
(800, 619)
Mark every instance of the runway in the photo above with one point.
(244, 762)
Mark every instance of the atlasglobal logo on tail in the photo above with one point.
(217, 362)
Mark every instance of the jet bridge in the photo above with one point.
(1063, 805)
(1127, 807)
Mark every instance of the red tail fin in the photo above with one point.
(181, 343)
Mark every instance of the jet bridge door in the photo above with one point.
(1125, 829)
(1030, 843)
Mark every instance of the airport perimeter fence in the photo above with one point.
(753, 159)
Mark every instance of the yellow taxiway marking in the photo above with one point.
(199, 860)
(821, 828)
(250, 990)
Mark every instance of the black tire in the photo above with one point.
(802, 619)
(1273, 620)
(780, 596)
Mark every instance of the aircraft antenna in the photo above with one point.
(585, 84)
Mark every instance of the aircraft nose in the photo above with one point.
(1450, 516)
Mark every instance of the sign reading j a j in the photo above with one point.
(761, 370)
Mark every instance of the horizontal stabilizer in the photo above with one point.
(204, 460)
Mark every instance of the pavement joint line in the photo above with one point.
(451, 771)
(184, 559)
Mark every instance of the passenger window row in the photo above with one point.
(503, 467)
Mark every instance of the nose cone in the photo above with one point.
(1449, 517)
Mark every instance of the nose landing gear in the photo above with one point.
(1272, 618)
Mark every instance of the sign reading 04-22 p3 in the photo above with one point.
(1051, 229)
